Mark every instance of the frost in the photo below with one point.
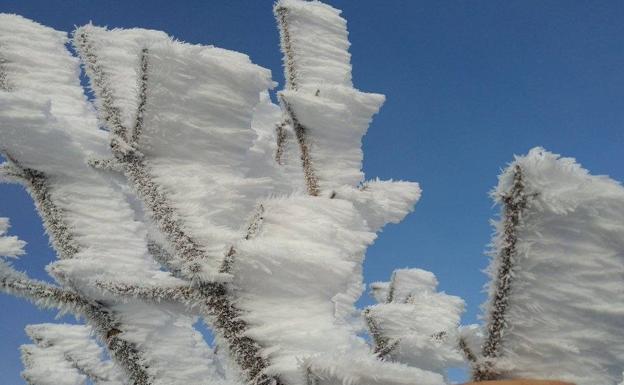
(414, 324)
(10, 246)
(560, 315)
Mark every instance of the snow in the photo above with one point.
(317, 41)
(419, 323)
(269, 200)
(195, 135)
(63, 354)
(335, 121)
(358, 369)
(10, 246)
(86, 212)
(564, 315)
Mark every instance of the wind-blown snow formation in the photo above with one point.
(558, 260)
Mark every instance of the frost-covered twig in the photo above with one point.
(105, 164)
(281, 138)
(139, 119)
(41, 293)
(467, 351)
(515, 202)
(383, 345)
(37, 186)
(4, 79)
(290, 71)
(110, 113)
(186, 294)
(252, 230)
(312, 182)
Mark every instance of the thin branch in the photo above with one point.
(281, 136)
(467, 351)
(185, 293)
(309, 173)
(4, 78)
(111, 114)
(252, 231)
(281, 14)
(515, 202)
(105, 164)
(383, 345)
(40, 293)
(140, 114)
(38, 187)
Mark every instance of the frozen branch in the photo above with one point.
(281, 137)
(52, 216)
(41, 293)
(309, 173)
(467, 351)
(4, 78)
(290, 71)
(515, 202)
(105, 164)
(110, 113)
(188, 295)
(383, 345)
(139, 120)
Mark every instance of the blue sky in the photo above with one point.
(468, 85)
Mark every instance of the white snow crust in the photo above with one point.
(564, 319)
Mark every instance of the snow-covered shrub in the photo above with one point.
(182, 192)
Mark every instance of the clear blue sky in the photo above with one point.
(468, 84)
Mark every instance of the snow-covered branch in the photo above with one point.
(41, 293)
(554, 308)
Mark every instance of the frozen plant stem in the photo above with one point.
(383, 345)
(281, 13)
(515, 203)
(37, 186)
(309, 174)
